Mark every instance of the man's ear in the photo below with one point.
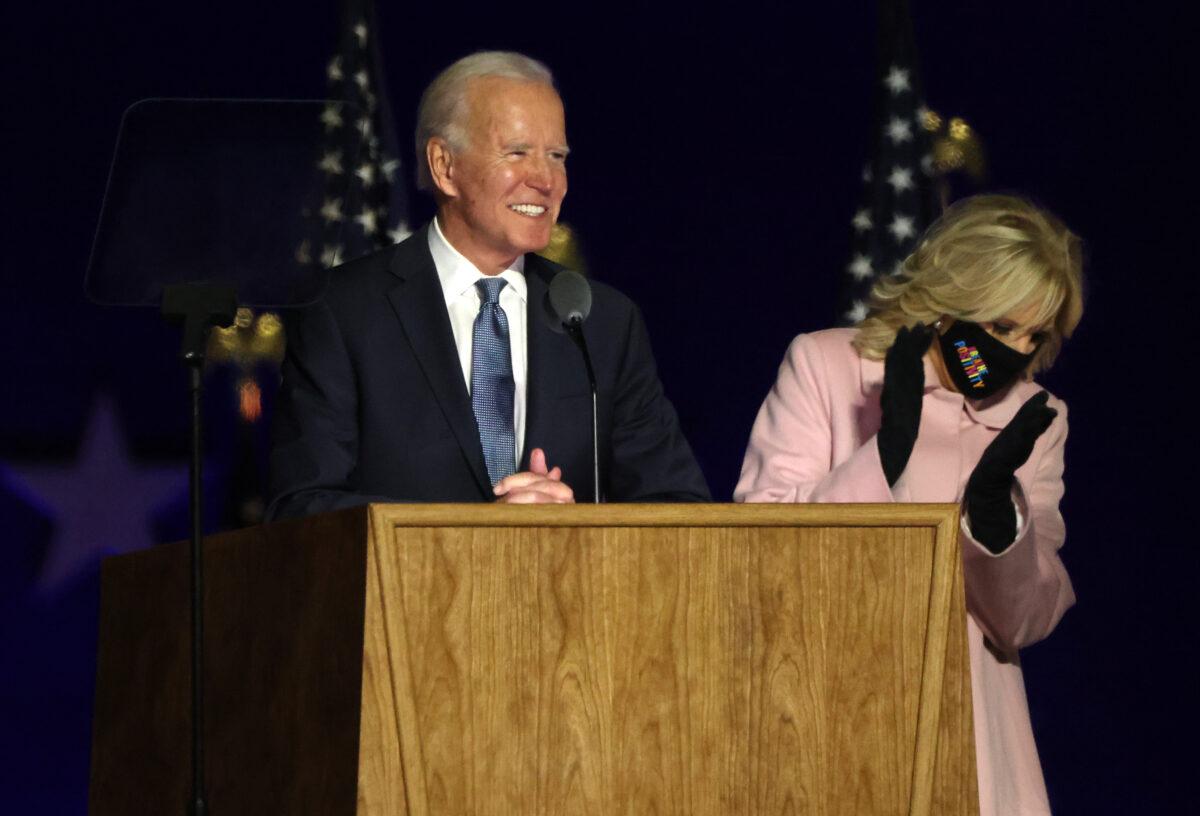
(441, 166)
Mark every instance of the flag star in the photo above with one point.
(901, 179)
(103, 502)
(389, 167)
(331, 162)
(368, 219)
(860, 267)
(360, 31)
(867, 175)
(898, 130)
(927, 164)
(862, 221)
(331, 117)
(399, 232)
(902, 227)
(897, 80)
(922, 117)
(364, 127)
(898, 269)
(303, 253)
(334, 71)
(331, 256)
(362, 79)
(857, 312)
(332, 210)
(367, 173)
(369, 98)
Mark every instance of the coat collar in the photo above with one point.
(420, 306)
(994, 412)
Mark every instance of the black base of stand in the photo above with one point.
(197, 307)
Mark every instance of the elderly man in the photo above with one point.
(429, 371)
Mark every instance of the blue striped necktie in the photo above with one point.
(492, 384)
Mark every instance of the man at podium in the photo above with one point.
(431, 372)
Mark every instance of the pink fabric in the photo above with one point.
(814, 441)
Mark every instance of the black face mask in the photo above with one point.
(979, 364)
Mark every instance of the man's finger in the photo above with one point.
(537, 461)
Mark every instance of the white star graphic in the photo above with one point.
(331, 117)
(304, 253)
(367, 173)
(862, 221)
(860, 267)
(331, 256)
(331, 162)
(399, 232)
(360, 31)
(927, 164)
(334, 71)
(901, 227)
(368, 219)
(100, 504)
(389, 167)
(898, 130)
(897, 80)
(331, 210)
(922, 116)
(857, 312)
(361, 79)
(898, 269)
(901, 179)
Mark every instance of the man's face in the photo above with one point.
(503, 191)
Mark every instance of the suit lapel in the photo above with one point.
(421, 308)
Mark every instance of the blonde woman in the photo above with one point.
(931, 399)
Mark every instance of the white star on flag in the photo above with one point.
(360, 31)
(867, 175)
(331, 210)
(362, 79)
(923, 114)
(399, 232)
(368, 219)
(897, 80)
(331, 117)
(862, 221)
(335, 69)
(901, 227)
(303, 253)
(901, 179)
(857, 312)
(332, 162)
(860, 267)
(898, 130)
(367, 173)
(927, 164)
(388, 167)
(331, 256)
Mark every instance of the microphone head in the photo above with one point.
(570, 297)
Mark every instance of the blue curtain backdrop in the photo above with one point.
(713, 177)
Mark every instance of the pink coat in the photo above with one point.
(814, 441)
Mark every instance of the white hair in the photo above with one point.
(443, 104)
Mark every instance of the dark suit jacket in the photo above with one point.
(373, 406)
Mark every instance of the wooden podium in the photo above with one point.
(620, 659)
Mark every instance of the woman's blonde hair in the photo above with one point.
(984, 257)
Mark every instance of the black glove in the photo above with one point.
(903, 389)
(988, 498)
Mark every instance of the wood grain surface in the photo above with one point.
(667, 660)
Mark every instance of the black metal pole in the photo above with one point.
(199, 804)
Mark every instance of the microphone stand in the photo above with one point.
(198, 307)
(574, 327)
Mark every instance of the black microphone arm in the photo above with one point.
(570, 301)
(575, 330)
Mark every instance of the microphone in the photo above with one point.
(568, 303)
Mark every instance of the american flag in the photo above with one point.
(898, 197)
(361, 162)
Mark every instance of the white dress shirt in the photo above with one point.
(458, 277)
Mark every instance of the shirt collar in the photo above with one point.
(458, 275)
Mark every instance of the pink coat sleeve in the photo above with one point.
(791, 450)
(1019, 596)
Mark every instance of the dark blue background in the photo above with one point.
(714, 173)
